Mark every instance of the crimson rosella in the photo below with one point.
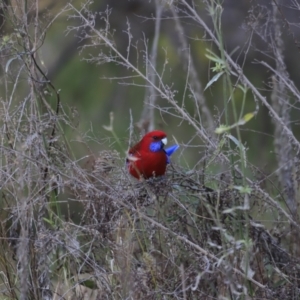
(148, 158)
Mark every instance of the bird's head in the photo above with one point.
(154, 140)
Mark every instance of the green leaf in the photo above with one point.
(248, 117)
(9, 62)
(222, 129)
(214, 79)
(243, 189)
(213, 57)
(90, 284)
(241, 146)
(50, 222)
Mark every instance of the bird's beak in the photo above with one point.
(164, 141)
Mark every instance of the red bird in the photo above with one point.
(148, 158)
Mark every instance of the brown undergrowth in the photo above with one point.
(168, 237)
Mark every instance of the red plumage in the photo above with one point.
(148, 158)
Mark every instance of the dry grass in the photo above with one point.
(83, 229)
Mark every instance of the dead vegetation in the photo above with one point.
(83, 229)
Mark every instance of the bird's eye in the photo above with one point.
(155, 138)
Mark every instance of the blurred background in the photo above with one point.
(91, 87)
